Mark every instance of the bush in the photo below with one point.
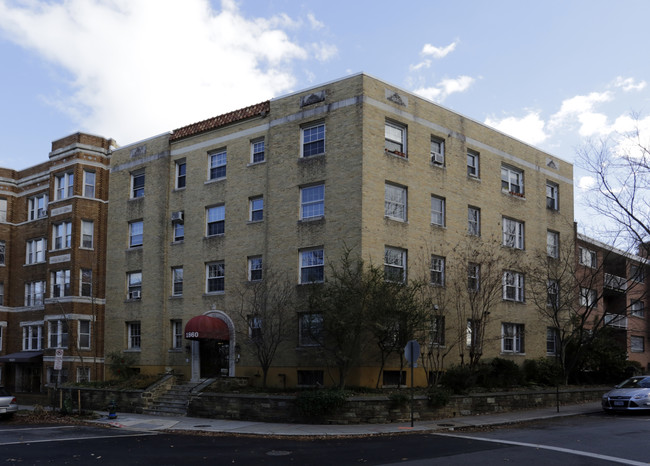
(459, 379)
(437, 397)
(399, 399)
(318, 403)
(120, 365)
(499, 373)
(543, 371)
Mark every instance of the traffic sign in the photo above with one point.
(412, 351)
(58, 360)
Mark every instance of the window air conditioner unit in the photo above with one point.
(437, 158)
(134, 294)
(177, 216)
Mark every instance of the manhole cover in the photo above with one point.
(278, 453)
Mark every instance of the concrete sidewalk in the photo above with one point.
(191, 424)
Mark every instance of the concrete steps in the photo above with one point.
(174, 402)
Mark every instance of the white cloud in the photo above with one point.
(581, 108)
(585, 183)
(314, 23)
(140, 67)
(529, 129)
(445, 88)
(432, 51)
(629, 84)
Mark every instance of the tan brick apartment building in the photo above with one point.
(52, 265)
(286, 185)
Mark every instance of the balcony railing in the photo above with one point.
(614, 282)
(616, 320)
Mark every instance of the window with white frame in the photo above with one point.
(33, 337)
(437, 151)
(177, 281)
(64, 185)
(588, 297)
(215, 220)
(512, 338)
(181, 179)
(58, 331)
(34, 293)
(473, 276)
(87, 234)
(473, 221)
(57, 377)
(255, 268)
(473, 333)
(552, 339)
(134, 335)
(587, 257)
(136, 233)
(254, 327)
(311, 329)
(179, 231)
(438, 205)
(217, 164)
(257, 151)
(472, 164)
(60, 283)
(35, 251)
(89, 184)
(137, 184)
(637, 273)
(513, 286)
(637, 308)
(637, 344)
(512, 180)
(256, 209)
(215, 277)
(395, 138)
(86, 282)
(552, 196)
(177, 333)
(134, 285)
(83, 374)
(552, 294)
(3, 210)
(394, 264)
(83, 332)
(438, 330)
(395, 198)
(312, 266)
(438, 270)
(513, 233)
(312, 202)
(62, 234)
(552, 244)
(313, 140)
(37, 206)
(3, 252)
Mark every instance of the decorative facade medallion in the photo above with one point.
(313, 98)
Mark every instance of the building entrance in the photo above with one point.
(214, 356)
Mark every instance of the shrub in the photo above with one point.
(437, 397)
(318, 403)
(398, 399)
(120, 365)
(543, 371)
(459, 379)
(499, 373)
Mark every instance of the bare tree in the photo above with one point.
(436, 345)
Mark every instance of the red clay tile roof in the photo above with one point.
(221, 120)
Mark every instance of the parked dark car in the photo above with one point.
(632, 394)
(8, 403)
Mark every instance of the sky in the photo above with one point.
(557, 74)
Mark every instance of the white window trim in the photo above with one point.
(587, 257)
(319, 201)
(442, 213)
(85, 223)
(552, 247)
(438, 157)
(220, 212)
(306, 264)
(516, 333)
(134, 340)
(178, 176)
(512, 186)
(437, 267)
(254, 144)
(552, 201)
(215, 155)
(513, 239)
(88, 185)
(404, 131)
(396, 202)
(302, 139)
(252, 210)
(175, 281)
(473, 224)
(251, 261)
(218, 278)
(135, 175)
(474, 168)
(89, 334)
(516, 281)
(399, 264)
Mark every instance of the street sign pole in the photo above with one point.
(412, 353)
(411, 343)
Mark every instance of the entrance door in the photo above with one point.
(214, 358)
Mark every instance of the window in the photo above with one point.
(3, 252)
(83, 330)
(437, 270)
(135, 233)
(38, 206)
(216, 220)
(513, 286)
(62, 233)
(473, 276)
(437, 151)
(134, 285)
(588, 297)
(64, 184)
(395, 138)
(177, 281)
(137, 184)
(254, 327)
(312, 266)
(438, 211)
(438, 330)
(393, 378)
(472, 164)
(177, 334)
(60, 283)
(474, 221)
(512, 180)
(2, 293)
(312, 202)
(179, 231)
(637, 344)
(34, 293)
(512, 338)
(257, 151)
(83, 374)
(217, 164)
(215, 277)
(35, 251)
(181, 167)
(255, 268)
(86, 285)
(395, 202)
(313, 140)
(553, 244)
(89, 184)
(3, 210)
(473, 334)
(637, 308)
(256, 207)
(32, 337)
(552, 294)
(552, 198)
(552, 338)
(637, 273)
(513, 233)
(57, 377)
(311, 329)
(134, 336)
(587, 257)
(87, 234)
(310, 378)
(394, 264)
(58, 330)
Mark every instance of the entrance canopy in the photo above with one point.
(23, 356)
(202, 327)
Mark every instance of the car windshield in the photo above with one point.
(636, 382)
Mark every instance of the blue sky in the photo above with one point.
(555, 74)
